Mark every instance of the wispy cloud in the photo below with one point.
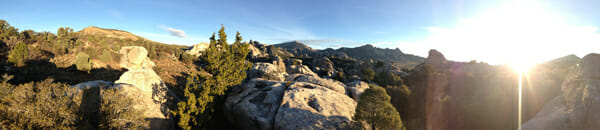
(173, 32)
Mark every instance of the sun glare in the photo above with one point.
(521, 67)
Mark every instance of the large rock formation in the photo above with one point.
(135, 57)
(274, 71)
(576, 107)
(197, 49)
(301, 102)
(139, 82)
(309, 106)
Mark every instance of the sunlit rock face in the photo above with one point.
(577, 106)
(302, 101)
(197, 49)
(139, 82)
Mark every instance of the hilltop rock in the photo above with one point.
(197, 49)
(577, 106)
(135, 57)
(435, 59)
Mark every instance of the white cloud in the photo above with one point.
(517, 32)
(173, 32)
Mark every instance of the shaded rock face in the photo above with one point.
(139, 82)
(197, 49)
(356, 88)
(135, 57)
(255, 104)
(301, 102)
(577, 106)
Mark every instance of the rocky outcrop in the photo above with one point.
(135, 57)
(577, 106)
(300, 69)
(301, 102)
(139, 82)
(267, 71)
(255, 104)
(356, 88)
(436, 59)
(197, 49)
(324, 67)
(310, 106)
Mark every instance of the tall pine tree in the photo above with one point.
(228, 67)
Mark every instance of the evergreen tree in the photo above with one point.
(374, 107)
(18, 55)
(227, 65)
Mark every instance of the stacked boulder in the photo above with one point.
(139, 82)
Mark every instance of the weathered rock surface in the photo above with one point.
(577, 106)
(325, 82)
(135, 57)
(302, 102)
(310, 106)
(267, 71)
(300, 69)
(356, 88)
(255, 104)
(197, 49)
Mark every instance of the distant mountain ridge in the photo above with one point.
(365, 53)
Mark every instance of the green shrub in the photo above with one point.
(82, 62)
(374, 108)
(105, 57)
(186, 58)
(18, 54)
(38, 105)
(368, 74)
(119, 113)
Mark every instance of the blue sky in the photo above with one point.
(414, 26)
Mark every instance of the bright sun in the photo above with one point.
(521, 67)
